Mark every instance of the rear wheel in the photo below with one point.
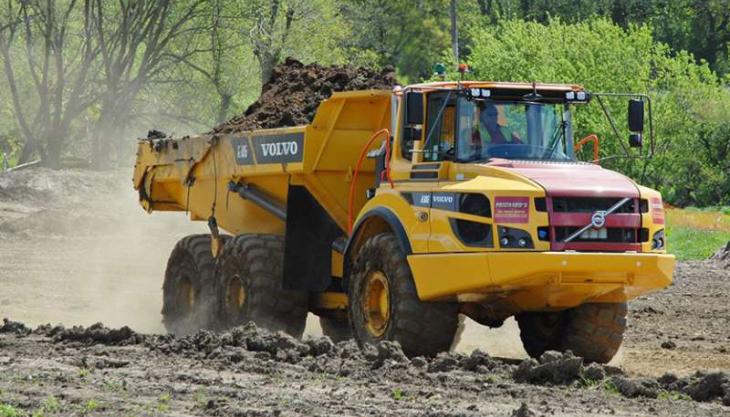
(592, 331)
(188, 290)
(249, 280)
(384, 304)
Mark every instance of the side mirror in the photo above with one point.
(635, 140)
(414, 108)
(636, 115)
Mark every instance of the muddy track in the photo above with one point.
(75, 248)
(248, 371)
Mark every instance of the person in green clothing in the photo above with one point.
(492, 130)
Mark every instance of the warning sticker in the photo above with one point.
(511, 209)
(657, 210)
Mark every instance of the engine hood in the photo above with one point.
(572, 179)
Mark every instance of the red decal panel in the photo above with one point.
(512, 209)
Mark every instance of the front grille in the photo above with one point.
(590, 205)
(621, 232)
(613, 235)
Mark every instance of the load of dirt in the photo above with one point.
(294, 91)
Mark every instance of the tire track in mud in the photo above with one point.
(316, 376)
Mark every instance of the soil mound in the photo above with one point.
(294, 91)
(251, 348)
(723, 255)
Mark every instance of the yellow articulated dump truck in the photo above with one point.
(395, 211)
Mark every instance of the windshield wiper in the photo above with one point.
(554, 139)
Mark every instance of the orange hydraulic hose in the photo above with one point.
(590, 138)
(364, 152)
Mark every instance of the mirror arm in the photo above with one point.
(651, 127)
(612, 122)
(646, 98)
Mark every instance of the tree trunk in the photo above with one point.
(454, 32)
(267, 61)
(27, 152)
(52, 155)
(223, 108)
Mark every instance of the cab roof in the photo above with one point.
(506, 91)
(495, 85)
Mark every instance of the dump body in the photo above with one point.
(193, 174)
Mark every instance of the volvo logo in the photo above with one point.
(598, 219)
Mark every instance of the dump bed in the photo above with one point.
(204, 175)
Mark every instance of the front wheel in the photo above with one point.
(592, 331)
(384, 304)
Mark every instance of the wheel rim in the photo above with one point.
(376, 303)
(235, 295)
(186, 295)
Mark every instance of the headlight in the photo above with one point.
(514, 238)
(657, 241)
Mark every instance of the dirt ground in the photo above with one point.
(75, 248)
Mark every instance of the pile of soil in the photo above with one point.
(294, 91)
(723, 255)
(254, 347)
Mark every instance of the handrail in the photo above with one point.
(351, 196)
(590, 138)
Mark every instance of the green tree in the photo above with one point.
(48, 55)
(409, 35)
(690, 106)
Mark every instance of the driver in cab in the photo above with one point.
(492, 128)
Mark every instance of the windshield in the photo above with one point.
(512, 130)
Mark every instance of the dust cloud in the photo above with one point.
(76, 248)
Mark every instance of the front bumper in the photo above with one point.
(540, 280)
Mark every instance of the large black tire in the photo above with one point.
(592, 331)
(249, 279)
(541, 332)
(595, 331)
(421, 328)
(188, 292)
(335, 328)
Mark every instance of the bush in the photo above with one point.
(691, 108)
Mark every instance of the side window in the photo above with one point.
(440, 127)
(409, 133)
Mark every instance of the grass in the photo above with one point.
(694, 234)
(7, 410)
(163, 403)
(673, 396)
